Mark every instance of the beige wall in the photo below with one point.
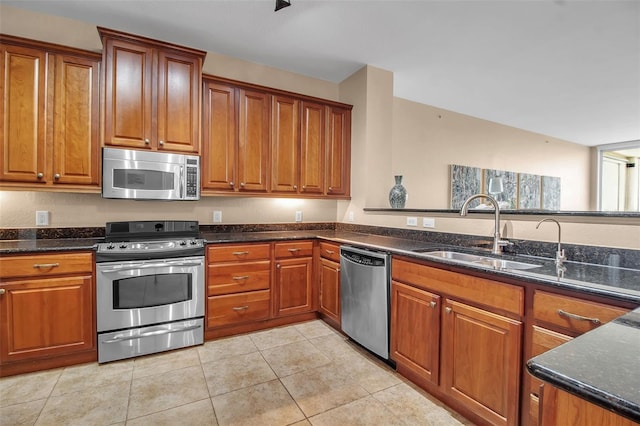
(389, 136)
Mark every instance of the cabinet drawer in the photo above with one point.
(576, 315)
(238, 308)
(45, 265)
(330, 251)
(228, 278)
(293, 249)
(226, 253)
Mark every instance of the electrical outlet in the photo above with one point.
(299, 216)
(412, 221)
(350, 219)
(217, 216)
(42, 218)
(428, 222)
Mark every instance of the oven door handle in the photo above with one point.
(147, 266)
(120, 338)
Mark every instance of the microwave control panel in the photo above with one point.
(192, 182)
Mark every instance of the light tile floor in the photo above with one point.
(302, 374)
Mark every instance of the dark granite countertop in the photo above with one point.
(8, 247)
(601, 366)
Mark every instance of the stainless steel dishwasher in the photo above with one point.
(364, 298)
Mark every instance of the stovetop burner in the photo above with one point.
(138, 240)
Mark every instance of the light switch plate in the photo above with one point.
(428, 222)
(217, 216)
(299, 216)
(42, 218)
(350, 219)
(412, 221)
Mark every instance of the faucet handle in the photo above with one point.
(560, 257)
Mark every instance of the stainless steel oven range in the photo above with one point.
(149, 289)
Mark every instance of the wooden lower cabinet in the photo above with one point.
(562, 408)
(47, 315)
(459, 337)
(237, 308)
(293, 282)
(329, 297)
(481, 361)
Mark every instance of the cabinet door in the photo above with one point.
(481, 361)
(415, 330)
(46, 317)
(219, 137)
(330, 289)
(253, 144)
(23, 89)
(294, 291)
(312, 146)
(76, 123)
(128, 94)
(178, 102)
(285, 143)
(339, 152)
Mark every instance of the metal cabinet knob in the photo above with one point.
(330, 189)
(432, 304)
(231, 184)
(2, 291)
(161, 143)
(278, 266)
(40, 175)
(242, 184)
(56, 176)
(296, 187)
(147, 141)
(448, 310)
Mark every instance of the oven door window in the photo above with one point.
(140, 179)
(152, 290)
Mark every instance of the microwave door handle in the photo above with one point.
(181, 182)
(149, 265)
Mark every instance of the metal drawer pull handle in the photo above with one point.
(240, 253)
(240, 308)
(293, 250)
(432, 304)
(330, 251)
(244, 277)
(578, 317)
(120, 338)
(45, 265)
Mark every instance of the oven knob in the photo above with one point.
(183, 243)
(110, 247)
(123, 246)
(194, 242)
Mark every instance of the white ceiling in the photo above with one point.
(567, 68)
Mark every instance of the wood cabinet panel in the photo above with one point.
(285, 144)
(293, 282)
(505, 297)
(238, 252)
(575, 315)
(23, 89)
(224, 278)
(219, 137)
(415, 330)
(76, 144)
(129, 94)
(338, 162)
(329, 291)
(481, 361)
(312, 148)
(46, 317)
(238, 308)
(253, 144)
(179, 79)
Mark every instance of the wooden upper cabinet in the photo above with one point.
(312, 147)
(253, 141)
(152, 93)
(76, 146)
(339, 152)
(50, 114)
(219, 137)
(23, 88)
(285, 139)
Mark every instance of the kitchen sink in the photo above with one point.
(483, 261)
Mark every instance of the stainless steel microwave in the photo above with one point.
(145, 175)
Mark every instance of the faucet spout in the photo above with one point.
(498, 243)
(560, 257)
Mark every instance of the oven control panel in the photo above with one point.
(131, 250)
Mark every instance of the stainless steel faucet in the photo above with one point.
(497, 242)
(560, 257)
